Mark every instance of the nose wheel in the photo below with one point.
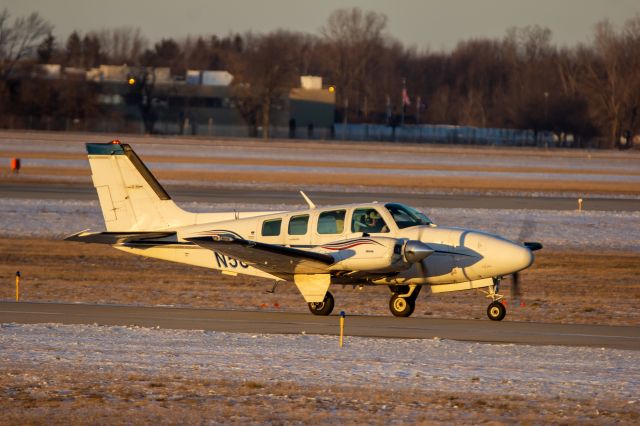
(496, 311)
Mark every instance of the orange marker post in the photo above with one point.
(18, 286)
(342, 315)
(15, 165)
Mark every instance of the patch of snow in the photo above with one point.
(434, 364)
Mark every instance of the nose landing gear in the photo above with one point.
(496, 311)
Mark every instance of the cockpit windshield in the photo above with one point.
(406, 216)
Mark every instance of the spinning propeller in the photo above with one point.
(528, 227)
(423, 269)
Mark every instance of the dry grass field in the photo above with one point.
(310, 178)
(562, 286)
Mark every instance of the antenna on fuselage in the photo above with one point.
(311, 205)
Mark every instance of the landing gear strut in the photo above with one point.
(403, 300)
(496, 311)
(323, 308)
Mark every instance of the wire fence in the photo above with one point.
(441, 134)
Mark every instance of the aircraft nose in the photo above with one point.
(520, 257)
(500, 256)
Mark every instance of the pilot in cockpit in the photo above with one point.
(375, 223)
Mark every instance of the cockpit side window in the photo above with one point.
(331, 222)
(405, 216)
(368, 220)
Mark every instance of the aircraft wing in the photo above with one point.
(116, 237)
(278, 260)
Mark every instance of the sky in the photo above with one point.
(425, 24)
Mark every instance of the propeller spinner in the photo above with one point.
(415, 251)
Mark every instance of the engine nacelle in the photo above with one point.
(375, 254)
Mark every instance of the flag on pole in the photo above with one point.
(405, 97)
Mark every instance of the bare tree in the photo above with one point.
(266, 70)
(20, 39)
(354, 41)
(122, 45)
(609, 78)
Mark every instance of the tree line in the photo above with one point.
(522, 80)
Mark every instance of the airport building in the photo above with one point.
(201, 102)
(125, 99)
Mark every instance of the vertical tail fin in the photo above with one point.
(131, 198)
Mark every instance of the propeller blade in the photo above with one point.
(515, 287)
(421, 265)
(532, 245)
(527, 229)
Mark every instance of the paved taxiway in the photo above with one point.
(618, 337)
(75, 191)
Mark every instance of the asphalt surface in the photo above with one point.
(618, 337)
(291, 197)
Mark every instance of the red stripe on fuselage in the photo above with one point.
(345, 247)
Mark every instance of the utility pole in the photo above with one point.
(404, 96)
(546, 118)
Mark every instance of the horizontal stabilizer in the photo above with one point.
(116, 237)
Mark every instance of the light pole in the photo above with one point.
(546, 117)
(546, 109)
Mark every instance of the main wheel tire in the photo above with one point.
(496, 311)
(323, 308)
(402, 306)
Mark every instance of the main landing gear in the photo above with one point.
(496, 311)
(323, 308)
(403, 300)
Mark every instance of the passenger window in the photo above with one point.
(298, 225)
(369, 221)
(271, 228)
(331, 222)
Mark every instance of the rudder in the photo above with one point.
(130, 197)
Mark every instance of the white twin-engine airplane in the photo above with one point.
(357, 244)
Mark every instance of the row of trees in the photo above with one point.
(522, 80)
